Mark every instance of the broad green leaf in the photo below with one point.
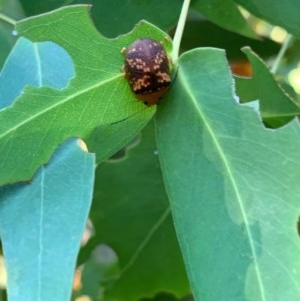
(98, 96)
(226, 14)
(41, 225)
(131, 214)
(276, 106)
(277, 12)
(233, 186)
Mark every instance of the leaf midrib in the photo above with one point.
(216, 142)
(62, 102)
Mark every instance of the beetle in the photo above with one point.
(147, 70)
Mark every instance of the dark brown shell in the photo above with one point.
(147, 70)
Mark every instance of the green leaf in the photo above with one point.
(276, 106)
(98, 96)
(226, 14)
(106, 140)
(35, 7)
(233, 186)
(116, 17)
(131, 214)
(41, 225)
(113, 18)
(198, 33)
(45, 64)
(277, 12)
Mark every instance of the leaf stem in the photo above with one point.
(7, 19)
(281, 52)
(179, 29)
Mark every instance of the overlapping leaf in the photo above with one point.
(97, 97)
(36, 64)
(276, 106)
(41, 225)
(233, 187)
(43, 203)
